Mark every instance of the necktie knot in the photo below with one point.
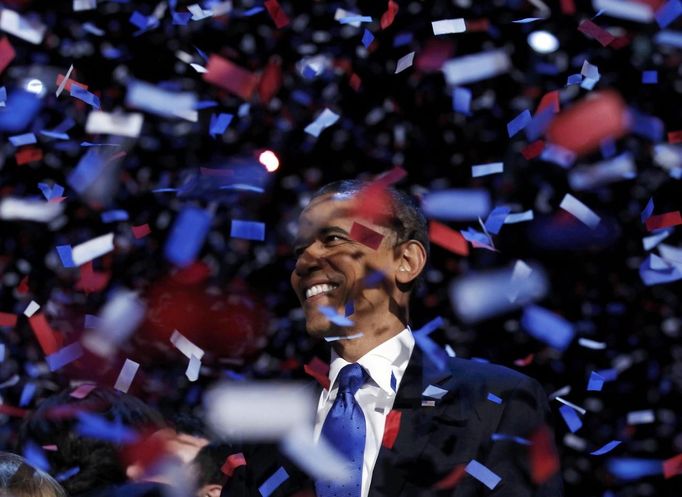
(351, 378)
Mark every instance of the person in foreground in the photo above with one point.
(410, 420)
(19, 479)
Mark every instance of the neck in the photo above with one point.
(374, 333)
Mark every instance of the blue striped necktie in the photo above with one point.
(345, 430)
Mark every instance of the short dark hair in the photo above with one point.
(54, 422)
(208, 463)
(407, 220)
(20, 479)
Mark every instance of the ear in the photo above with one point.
(213, 490)
(411, 261)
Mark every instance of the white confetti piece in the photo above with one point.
(126, 376)
(19, 209)
(92, 249)
(447, 26)
(591, 344)
(404, 62)
(31, 308)
(486, 169)
(476, 67)
(31, 31)
(117, 124)
(184, 345)
(193, 368)
(641, 417)
(574, 206)
(322, 122)
(60, 89)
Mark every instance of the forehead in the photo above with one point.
(331, 206)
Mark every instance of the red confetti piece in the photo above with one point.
(277, 13)
(544, 462)
(366, 236)
(391, 429)
(663, 221)
(271, 80)
(448, 238)
(23, 285)
(434, 53)
(355, 82)
(675, 136)
(12, 411)
(69, 83)
(591, 30)
(44, 333)
(673, 466)
(229, 76)
(524, 361)
(51, 448)
(7, 319)
(584, 126)
(28, 154)
(474, 25)
(392, 176)
(318, 370)
(532, 150)
(568, 7)
(7, 53)
(232, 462)
(83, 390)
(56, 200)
(452, 478)
(91, 280)
(550, 99)
(140, 231)
(388, 16)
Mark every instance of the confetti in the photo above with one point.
(229, 76)
(494, 398)
(606, 448)
(64, 356)
(487, 169)
(117, 124)
(448, 238)
(571, 418)
(518, 123)
(434, 392)
(482, 474)
(591, 30)
(326, 119)
(595, 383)
(574, 206)
(126, 376)
(186, 346)
(477, 67)
(447, 26)
(663, 221)
(187, 236)
(547, 327)
(457, 204)
(248, 230)
(13, 23)
(273, 481)
(92, 249)
(404, 62)
(366, 236)
(668, 12)
(640, 417)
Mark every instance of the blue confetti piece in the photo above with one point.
(252, 11)
(672, 38)
(205, 104)
(558, 155)
(349, 308)
(35, 456)
(65, 125)
(51, 192)
(187, 236)
(595, 383)
(571, 418)
(650, 77)
(373, 279)
(482, 474)
(3, 94)
(630, 468)
(201, 53)
(547, 327)
(461, 100)
(606, 448)
(98, 427)
(457, 204)
(248, 230)
(84, 95)
(355, 19)
(539, 123)
(27, 394)
(608, 148)
(494, 398)
(25, 139)
(64, 356)
(527, 20)
(367, 38)
(546, 68)
(65, 255)
(574, 79)
(54, 134)
(91, 322)
(138, 20)
(89, 168)
(475, 237)
(668, 12)
(519, 440)
(65, 475)
(181, 18)
(274, 481)
(430, 348)
(21, 108)
(518, 123)
(302, 97)
(648, 210)
(655, 277)
(219, 123)
(647, 126)
(333, 316)
(495, 220)
(394, 383)
(430, 327)
(402, 39)
(114, 215)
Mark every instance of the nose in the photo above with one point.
(309, 261)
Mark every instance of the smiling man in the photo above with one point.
(408, 422)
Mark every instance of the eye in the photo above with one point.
(332, 238)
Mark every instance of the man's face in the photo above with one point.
(331, 266)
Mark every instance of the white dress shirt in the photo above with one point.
(375, 397)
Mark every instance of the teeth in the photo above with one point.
(318, 289)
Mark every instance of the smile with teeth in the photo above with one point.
(318, 289)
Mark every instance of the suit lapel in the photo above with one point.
(418, 424)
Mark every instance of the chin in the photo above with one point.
(318, 325)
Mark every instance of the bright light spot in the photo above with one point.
(269, 160)
(34, 86)
(543, 42)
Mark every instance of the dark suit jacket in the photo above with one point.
(433, 441)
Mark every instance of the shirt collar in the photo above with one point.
(386, 359)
